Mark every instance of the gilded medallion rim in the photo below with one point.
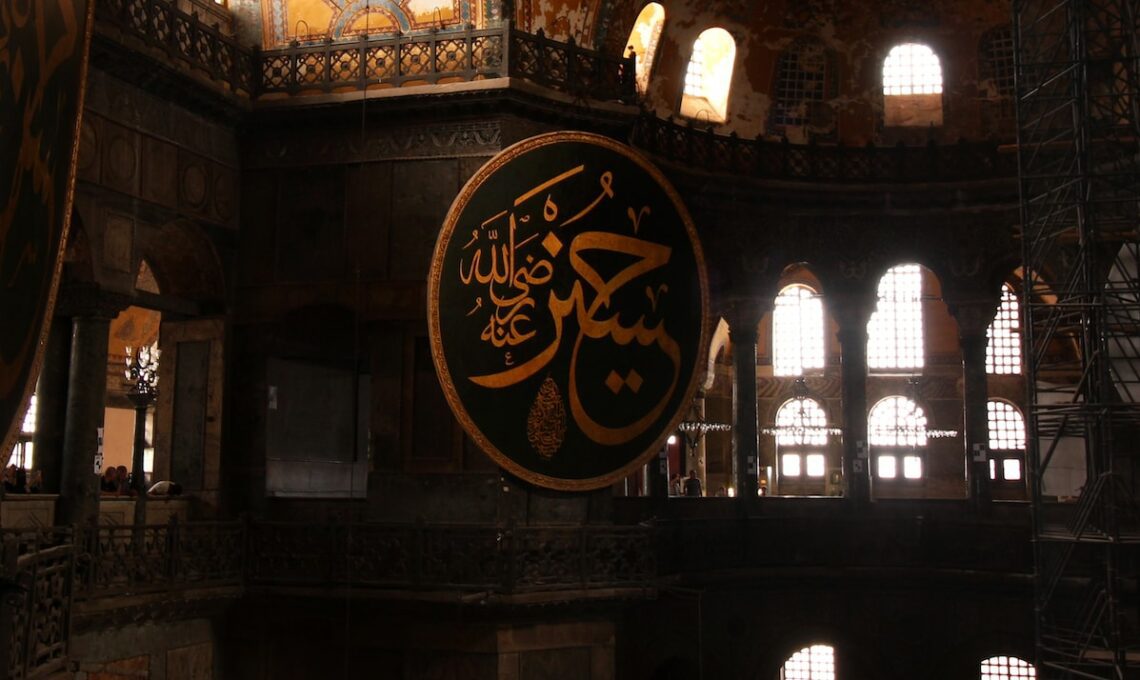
(435, 272)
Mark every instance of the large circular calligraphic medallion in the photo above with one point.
(566, 307)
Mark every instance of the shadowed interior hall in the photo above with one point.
(907, 450)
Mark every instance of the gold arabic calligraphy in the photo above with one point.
(507, 265)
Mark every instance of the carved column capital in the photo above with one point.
(852, 312)
(743, 316)
(974, 316)
(88, 300)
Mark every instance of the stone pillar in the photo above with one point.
(974, 318)
(51, 404)
(696, 454)
(743, 321)
(851, 312)
(86, 393)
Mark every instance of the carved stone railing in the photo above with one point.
(118, 559)
(35, 613)
(448, 56)
(183, 38)
(122, 559)
(429, 58)
(730, 154)
(395, 61)
(461, 558)
(566, 67)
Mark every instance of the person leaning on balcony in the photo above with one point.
(693, 485)
(109, 483)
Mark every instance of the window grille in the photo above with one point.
(797, 331)
(894, 333)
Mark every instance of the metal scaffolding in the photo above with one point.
(1077, 89)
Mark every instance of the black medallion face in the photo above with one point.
(566, 304)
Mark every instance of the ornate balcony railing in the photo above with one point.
(184, 38)
(118, 559)
(502, 561)
(394, 61)
(37, 604)
(730, 154)
(451, 56)
(429, 58)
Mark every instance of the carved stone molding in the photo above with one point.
(343, 146)
(85, 299)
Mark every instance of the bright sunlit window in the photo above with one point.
(22, 454)
(790, 465)
(708, 76)
(1006, 668)
(1003, 346)
(912, 87)
(810, 663)
(897, 428)
(801, 422)
(1007, 440)
(644, 37)
(797, 331)
(911, 68)
(894, 333)
(801, 429)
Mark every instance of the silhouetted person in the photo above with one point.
(693, 485)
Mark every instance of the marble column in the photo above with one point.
(974, 319)
(86, 393)
(51, 404)
(744, 320)
(852, 312)
(696, 453)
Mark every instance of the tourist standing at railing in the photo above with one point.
(123, 481)
(110, 481)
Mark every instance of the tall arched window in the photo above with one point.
(1006, 668)
(1007, 440)
(797, 331)
(804, 80)
(995, 79)
(801, 435)
(912, 86)
(1003, 348)
(709, 76)
(644, 37)
(816, 662)
(896, 428)
(22, 453)
(894, 333)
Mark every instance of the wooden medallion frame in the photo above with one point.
(453, 215)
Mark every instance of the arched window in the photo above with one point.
(995, 60)
(801, 435)
(708, 76)
(1006, 668)
(912, 86)
(804, 80)
(816, 662)
(797, 331)
(894, 333)
(1003, 348)
(896, 428)
(1007, 440)
(22, 452)
(644, 37)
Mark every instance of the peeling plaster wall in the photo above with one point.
(858, 34)
(307, 20)
(561, 19)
